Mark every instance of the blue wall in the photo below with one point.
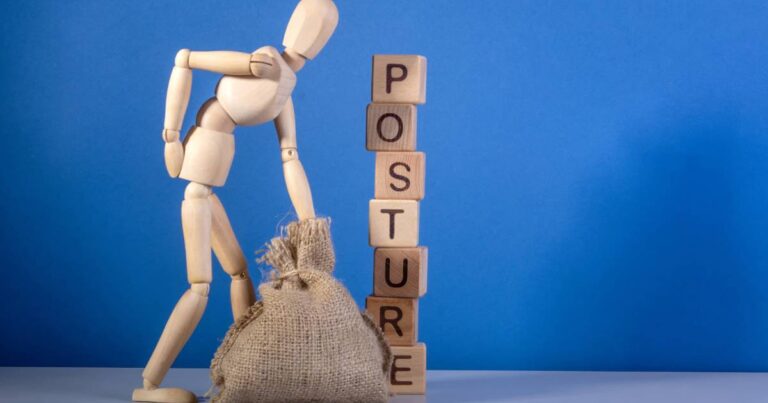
(596, 193)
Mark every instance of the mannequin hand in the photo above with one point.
(264, 66)
(174, 152)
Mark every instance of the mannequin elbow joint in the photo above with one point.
(182, 58)
(289, 154)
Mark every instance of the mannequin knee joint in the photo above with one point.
(289, 154)
(201, 289)
(197, 191)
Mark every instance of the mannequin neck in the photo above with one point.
(293, 59)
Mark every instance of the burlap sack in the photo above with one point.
(306, 340)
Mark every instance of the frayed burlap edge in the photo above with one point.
(253, 313)
(386, 350)
(293, 249)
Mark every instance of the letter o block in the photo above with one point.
(399, 79)
(391, 127)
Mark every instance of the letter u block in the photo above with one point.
(400, 272)
(397, 318)
(399, 79)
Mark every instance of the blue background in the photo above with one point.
(596, 193)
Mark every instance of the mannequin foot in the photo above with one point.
(151, 393)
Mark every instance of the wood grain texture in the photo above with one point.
(400, 272)
(398, 318)
(400, 79)
(393, 223)
(409, 369)
(400, 175)
(390, 127)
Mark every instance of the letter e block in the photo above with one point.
(408, 374)
(400, 175)
(400, 272)
(393, 223)
(390, 127)
(399, 79)
(398, 318)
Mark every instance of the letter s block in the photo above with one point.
(391, 127)
(400, 176)
(400, 272)
(399, 79)
(393, 223)
(397, 318)
(408, 374)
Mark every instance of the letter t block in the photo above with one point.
(393, 223)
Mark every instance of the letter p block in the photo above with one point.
(400, 79)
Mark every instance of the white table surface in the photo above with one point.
(85, 385)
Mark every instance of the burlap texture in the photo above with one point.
(306, 340)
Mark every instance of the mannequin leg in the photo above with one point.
(196, 223)
(231, 257)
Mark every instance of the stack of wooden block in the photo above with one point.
(399, 262)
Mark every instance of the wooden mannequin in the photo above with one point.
(256, 88)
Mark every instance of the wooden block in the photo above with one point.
(390, 127)
(400, 175)
(393, 223)
(400, 79)
(400, 272)
(408, 375)
(398, 318)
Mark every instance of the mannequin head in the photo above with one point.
(310, 27)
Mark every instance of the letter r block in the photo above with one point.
(390, 127)
(407, 376)
(400, 175)
(397, 318)
(393, 223)
(400, 272)
(399, 79)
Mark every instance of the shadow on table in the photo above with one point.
(507, 387)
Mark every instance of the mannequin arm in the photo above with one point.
(228, 62)
(176, 102)
(223, 62)
(295, 177)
